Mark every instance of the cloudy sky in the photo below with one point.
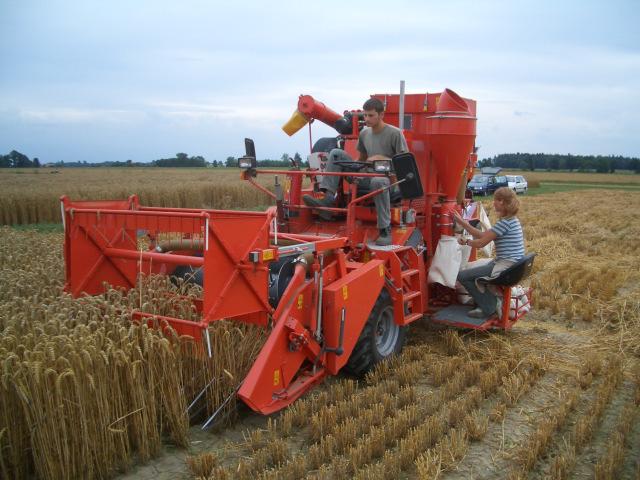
(141, 80)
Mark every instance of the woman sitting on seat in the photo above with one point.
(509, 242)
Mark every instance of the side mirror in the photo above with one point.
(406, 170)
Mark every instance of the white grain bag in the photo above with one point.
(486, 225)
(446, 262)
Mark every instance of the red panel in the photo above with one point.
(357, 292)
(271, 385)
(88, 268)
(233, 285)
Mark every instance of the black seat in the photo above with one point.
(515, 273)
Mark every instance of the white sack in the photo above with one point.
(446, 262)
(486, 225)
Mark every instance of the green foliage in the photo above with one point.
(15, 159)
(181, 160)
(546, 161)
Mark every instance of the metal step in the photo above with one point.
(408, 296)
(410, 272)
(412, 317)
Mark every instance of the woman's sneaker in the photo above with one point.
(476, 313)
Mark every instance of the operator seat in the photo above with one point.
(515, 273)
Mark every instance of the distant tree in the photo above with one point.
(231, 162)
(572, 163)
(181, 160)
(297, 158)
(285, 157)
(129, 163)
(634, 164)
(36, 162)
(602, 166)
(19, 160)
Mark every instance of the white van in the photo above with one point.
(517, 183)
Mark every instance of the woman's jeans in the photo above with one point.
(485, 300)
(483, 297)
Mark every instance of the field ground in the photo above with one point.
(557, 397)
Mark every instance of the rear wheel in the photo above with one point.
(380, 338)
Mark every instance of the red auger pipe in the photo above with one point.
(313, 109)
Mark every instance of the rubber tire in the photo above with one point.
(366, 353)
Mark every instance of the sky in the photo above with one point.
(106, 81)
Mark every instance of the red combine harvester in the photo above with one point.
(330, 297)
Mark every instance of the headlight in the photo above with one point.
(382, 166)
(247, 162)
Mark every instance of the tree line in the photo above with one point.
(546, 161)
(521, 161)
(15, 159)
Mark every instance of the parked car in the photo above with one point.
(517, 183)
(486, 184)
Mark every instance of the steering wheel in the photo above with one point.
(354, 166)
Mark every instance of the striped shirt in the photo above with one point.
(509, 239)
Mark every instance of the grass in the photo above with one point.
(578, 177)
(555, 187)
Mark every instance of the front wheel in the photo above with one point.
(380, 338)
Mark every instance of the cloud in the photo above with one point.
(75, 115)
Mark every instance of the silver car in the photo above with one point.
(517, 183)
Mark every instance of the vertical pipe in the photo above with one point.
(401, 107)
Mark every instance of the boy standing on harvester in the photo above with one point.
(376, 141)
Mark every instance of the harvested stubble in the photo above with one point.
(585, 425)
(85, 391)
(588, 263)
(612, 459)
(541, 439)
(381, 430)
(418, 447)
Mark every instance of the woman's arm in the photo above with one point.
(476, 233)
(486, 237)
(480, 238)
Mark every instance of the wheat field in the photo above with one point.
(33, 195)
(87, 394)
